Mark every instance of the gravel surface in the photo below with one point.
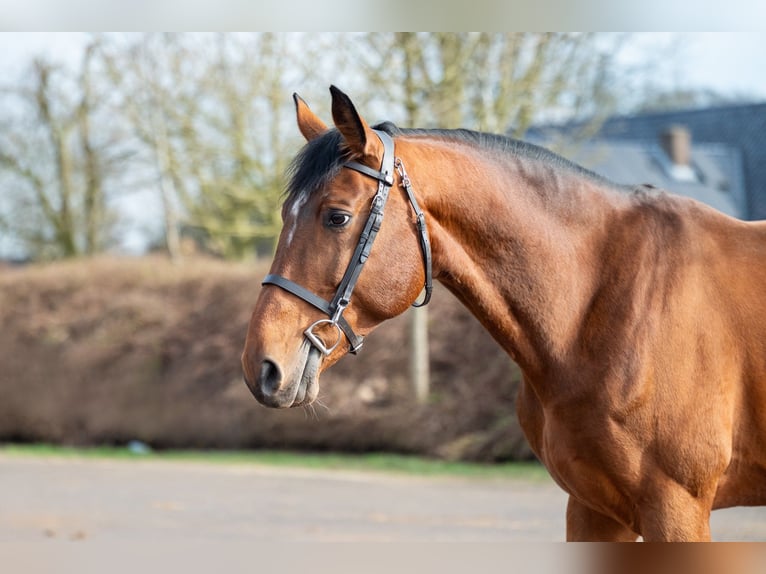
(103, 501)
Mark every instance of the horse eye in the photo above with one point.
(338, 219)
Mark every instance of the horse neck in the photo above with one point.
(517, 241)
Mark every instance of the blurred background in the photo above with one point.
(140, 186)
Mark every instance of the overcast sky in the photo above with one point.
(729, 62)
(724, 61)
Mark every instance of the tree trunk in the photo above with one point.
(420, 372)
(167, 188)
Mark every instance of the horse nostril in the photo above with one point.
(270, 377)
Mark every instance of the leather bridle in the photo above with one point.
(334, 308)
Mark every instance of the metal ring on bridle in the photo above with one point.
(317, 341)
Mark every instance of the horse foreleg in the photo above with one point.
(675, 515)
(587, 525)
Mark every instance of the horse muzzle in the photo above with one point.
(274, 388)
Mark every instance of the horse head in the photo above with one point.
(316, 304)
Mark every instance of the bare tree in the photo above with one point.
(211, 111)
(52, 164)
(497, 82)
(145, 73)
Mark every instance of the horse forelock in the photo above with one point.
(318, 163)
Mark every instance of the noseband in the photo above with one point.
(334, 308)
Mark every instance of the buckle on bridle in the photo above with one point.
(339, 308)
(317, 341)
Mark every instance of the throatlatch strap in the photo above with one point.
(425, 243)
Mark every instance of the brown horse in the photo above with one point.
(637, 317)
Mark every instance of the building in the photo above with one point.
(716, 155)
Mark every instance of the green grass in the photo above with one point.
(371, 462)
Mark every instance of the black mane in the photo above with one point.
(321, 159)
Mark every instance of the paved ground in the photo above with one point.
(103, 501)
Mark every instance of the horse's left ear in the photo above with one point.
(361, 140)
(308, 123)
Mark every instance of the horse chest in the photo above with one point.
(574, 451)
(553, 434)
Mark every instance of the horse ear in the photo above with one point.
(360, 139)
(308, 122)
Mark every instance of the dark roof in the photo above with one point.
(740, 127)
(716, 167)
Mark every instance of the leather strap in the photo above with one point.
(425, 243)
(374, 220)
(355, 341)
(388, 179)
